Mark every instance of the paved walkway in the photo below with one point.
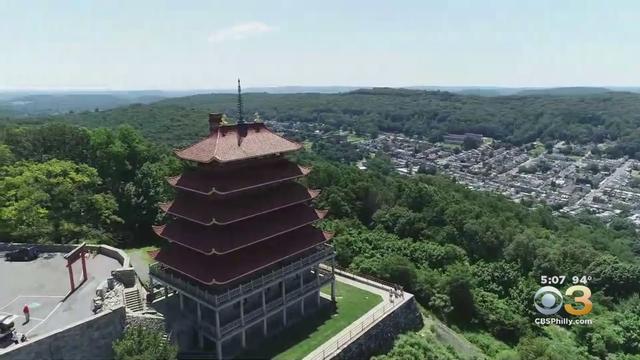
(140, 264)
(372, 317)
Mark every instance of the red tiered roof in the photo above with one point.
(230, 143)
(207, 211)
(223, 239)
(245, 187)
(221, 269)
(223, 181)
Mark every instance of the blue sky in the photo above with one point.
(157, 44)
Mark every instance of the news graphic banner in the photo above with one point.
(575, 300)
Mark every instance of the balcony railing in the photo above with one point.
(157, 270)
(259, 313)
(274, 304)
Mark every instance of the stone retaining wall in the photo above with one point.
(153, 322)
(113, 252)
(379, 338)
(88, 339)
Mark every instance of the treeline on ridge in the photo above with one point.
(429, 114)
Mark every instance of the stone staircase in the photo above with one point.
(132, 300)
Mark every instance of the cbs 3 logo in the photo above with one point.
(548, 300)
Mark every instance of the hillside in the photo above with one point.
(516, 119)
(566, 91)
(43, 104)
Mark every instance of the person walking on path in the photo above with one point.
(25, 310)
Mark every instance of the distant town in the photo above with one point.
(570, 178)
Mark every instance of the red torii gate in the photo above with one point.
(73, 256)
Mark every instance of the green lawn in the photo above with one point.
(140, 260)
(141, 253)
(305, 336)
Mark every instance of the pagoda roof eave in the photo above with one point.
(172, 263)
(304, 171)
(166, 207)
(231, 143)
(213, 159)
(159, 230)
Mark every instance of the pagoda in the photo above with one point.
(242, 253)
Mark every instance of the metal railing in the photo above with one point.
(293, 294)
(230, 326)
(250, 316)
(158, 271)
(274, 304)
(327, 351)
(362, 278)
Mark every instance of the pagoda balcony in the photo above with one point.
(219, 299)
(273, 307)
(208, 211)
(228, 180)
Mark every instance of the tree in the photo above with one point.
(50, 141)
(498, 317)
(458, 285)
(615, 277)
(414, 346)
(55, 201)
(380, 164)
(139, 343)
(557, 344)
(6, 156)
(427, 169)
(399, 270)
(470, 142)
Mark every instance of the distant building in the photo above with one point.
(243, 254)
(458, 139)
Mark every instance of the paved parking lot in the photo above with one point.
(42, 284)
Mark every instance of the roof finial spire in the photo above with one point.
(240, 116)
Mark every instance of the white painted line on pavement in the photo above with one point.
(10, 302)
(45, 319)
(31, 318)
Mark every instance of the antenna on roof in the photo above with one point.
(240, 117)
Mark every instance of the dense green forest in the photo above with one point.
(61, 183)
(473, 259)
(517, 119)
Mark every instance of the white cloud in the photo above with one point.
(239, 31)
